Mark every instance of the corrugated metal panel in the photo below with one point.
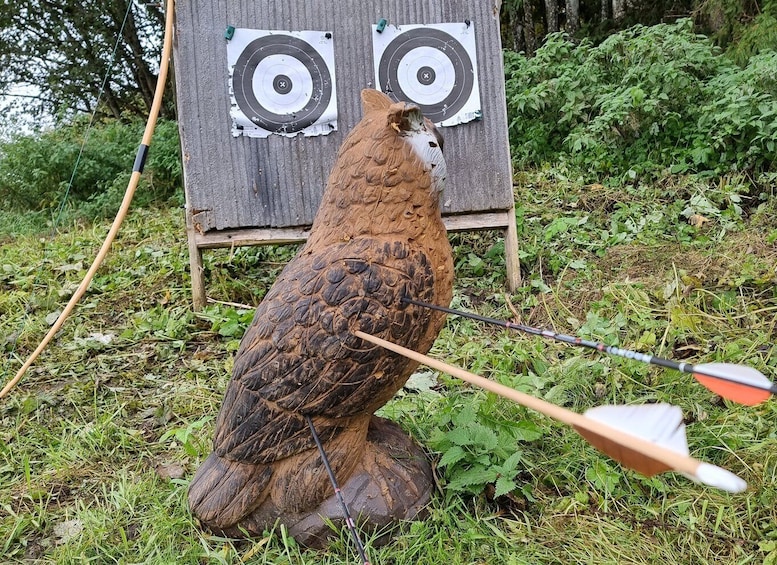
(277, 182)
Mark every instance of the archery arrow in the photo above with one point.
(338, 494)
(737, 383)
(649, 439)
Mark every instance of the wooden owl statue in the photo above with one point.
(377, 237)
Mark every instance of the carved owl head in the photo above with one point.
(406, 119)
(387, 178)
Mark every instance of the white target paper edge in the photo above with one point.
(321, 41)
(462, 32)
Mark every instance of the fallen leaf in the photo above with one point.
(70, 267)
(52, 317)
(67, 530)
(105, 339)
(422, 381)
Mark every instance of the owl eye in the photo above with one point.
(438, 137)
(432, 144)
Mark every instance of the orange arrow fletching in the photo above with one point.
(737, 383)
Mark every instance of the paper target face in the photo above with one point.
(434, 66)
(282, 83)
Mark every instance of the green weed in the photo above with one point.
(644, 101)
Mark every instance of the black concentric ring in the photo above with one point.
(302, 51)
(403, 45)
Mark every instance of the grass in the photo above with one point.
(98, 443)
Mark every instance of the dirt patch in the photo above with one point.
(713, 265)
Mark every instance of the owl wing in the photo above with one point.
(300, 358)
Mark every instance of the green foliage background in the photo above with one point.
(36, 170)
(644, 102)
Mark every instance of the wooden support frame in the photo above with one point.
(498, 220)
(256, 191)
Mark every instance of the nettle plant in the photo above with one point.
(478, 450)
(644, 101)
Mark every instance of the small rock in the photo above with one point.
(170, 470)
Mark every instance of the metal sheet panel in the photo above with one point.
(242, 182)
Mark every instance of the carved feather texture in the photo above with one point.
(377, 237)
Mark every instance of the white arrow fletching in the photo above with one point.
(738, 373)
(719, 478)
(661, 424)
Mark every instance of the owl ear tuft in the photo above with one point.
(402, 116)
(373, 100)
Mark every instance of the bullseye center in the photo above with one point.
(282, 84)
(426, 75)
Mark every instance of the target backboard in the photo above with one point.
(267, 92)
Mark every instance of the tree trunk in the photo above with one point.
(112, 102)
(144, 78)
(551, 15)
(618, 10)
(573, 16)
(528, 28)
(517, 32)
(605, 11)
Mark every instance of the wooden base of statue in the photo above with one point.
(392, 482)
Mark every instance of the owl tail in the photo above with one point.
(223, 491)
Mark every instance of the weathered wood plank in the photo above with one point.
(267, 236)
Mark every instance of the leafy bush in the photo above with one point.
(740, 119)
(744, 28)
(478, 451)
(644, 100)
(35, 170)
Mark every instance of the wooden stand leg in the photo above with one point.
(512, 262)
(199, 299)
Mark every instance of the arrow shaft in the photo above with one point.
(338, 493)
(564, 338)
(601, 347)
(542, 406)
(612, 441)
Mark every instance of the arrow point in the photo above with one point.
(719, 478)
